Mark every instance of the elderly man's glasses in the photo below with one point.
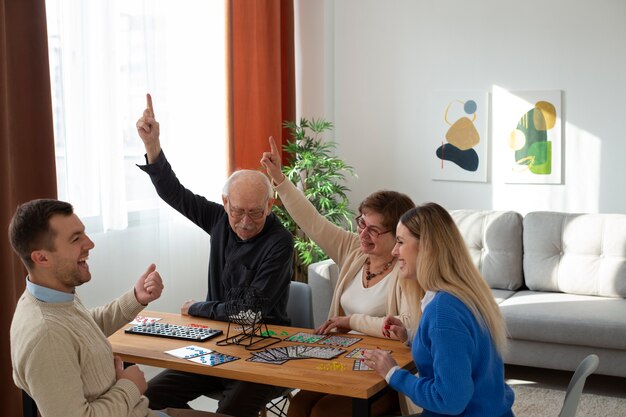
(360, 223)
(237, 213)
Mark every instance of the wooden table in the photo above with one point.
(334, 376)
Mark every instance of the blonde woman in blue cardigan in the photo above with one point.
(461, 338)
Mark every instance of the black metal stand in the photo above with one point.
(245, 310)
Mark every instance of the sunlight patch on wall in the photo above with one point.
(580, 165)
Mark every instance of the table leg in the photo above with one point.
(29, 407)
(361, 407)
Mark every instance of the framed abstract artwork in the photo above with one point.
(458, 143)
(527, 136)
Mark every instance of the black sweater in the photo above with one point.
(263, 262)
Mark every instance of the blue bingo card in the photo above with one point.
(213, 359)
(188, 352)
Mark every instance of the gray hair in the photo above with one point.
(252, 174)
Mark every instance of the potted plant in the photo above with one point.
(320, 175)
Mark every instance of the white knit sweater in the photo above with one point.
(61, 357)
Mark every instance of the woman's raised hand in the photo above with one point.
(271, 162)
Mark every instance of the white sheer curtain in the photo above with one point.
(104, 56)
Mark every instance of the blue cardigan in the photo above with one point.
(460, 372)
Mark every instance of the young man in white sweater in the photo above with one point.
(59, 350)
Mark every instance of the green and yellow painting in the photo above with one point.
(529, 141)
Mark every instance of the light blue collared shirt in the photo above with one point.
(160, 413)
(48, 295)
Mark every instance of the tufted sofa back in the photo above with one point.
(575, 253)
(494, 240)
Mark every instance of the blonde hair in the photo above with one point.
(444, 264)
(413, 295)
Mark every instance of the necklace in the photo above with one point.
(369, 275)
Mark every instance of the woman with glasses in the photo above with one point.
(367, 289)
(461, 338)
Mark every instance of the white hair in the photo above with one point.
(255, 175)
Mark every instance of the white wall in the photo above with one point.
(382, 59)
(369, 65)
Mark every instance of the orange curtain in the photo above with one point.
(27, 167)
(261, 71)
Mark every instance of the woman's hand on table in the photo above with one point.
(379, 360)
(339, 323)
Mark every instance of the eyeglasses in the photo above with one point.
(256, 214)
(360, 223)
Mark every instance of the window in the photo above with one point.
(104, 56)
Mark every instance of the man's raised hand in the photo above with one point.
(149, 286)
(148, 130)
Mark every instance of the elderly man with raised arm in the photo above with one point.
(249, 249)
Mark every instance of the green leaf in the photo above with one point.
(315, 168)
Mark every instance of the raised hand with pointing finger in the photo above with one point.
(271, 161)
(148, 129)
(367, 287)
(249, 248)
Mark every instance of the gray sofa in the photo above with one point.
(559, 278)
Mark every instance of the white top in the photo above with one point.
(356, 299)
(428, 297)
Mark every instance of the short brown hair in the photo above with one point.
(389, 204)
(30, 230)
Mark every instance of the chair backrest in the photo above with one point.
(576, 384)
(300, 305)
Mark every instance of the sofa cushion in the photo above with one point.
(566, 319)
(575, 253)
(323, 278)
(501, 295)
(494, 240)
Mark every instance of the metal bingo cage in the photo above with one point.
(244, 308)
